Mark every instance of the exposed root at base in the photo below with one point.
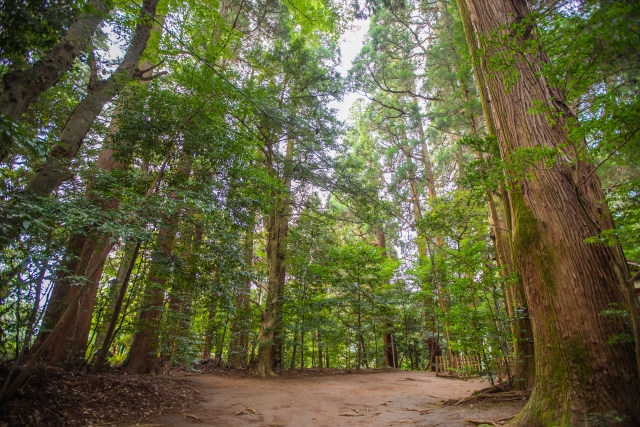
(496, 423)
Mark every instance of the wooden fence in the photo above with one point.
(460, 366)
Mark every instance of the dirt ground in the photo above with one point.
(381, 398)
(53, 397)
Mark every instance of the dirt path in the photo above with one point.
(373, 399)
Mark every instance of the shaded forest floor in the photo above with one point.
(226, 397)
(53, 396)
(335, 398)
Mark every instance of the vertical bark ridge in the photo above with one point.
(568, 282)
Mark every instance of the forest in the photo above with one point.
(179, 190)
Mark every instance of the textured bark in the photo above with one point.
(567, 282)
(143, 358)
(21, 88)
(70, 344)
(390, 349)
(522, 330)
(58, 301)
(277, 228)
(55, 169)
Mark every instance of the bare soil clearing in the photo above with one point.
(378, 398)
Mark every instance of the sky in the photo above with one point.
(350, 45)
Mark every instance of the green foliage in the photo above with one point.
(29, 28)
(388, 226)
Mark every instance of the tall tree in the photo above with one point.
(554, 210)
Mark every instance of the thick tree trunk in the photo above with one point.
(70, 344)
(269, 315)
(21, 88)
(143, 358)
(58, 301)
(55, 169)
(277, 225)
(568, 282)
(522, 330)
(390, 349)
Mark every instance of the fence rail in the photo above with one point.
(459, 366)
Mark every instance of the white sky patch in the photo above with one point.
(350, 45)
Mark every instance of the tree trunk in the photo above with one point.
(567, 282)
(523, 335)
(58, 301)
(122, 278)
(277, 225)
(55, 169)
(70, 344)
(21, 88)
(434, 350)
(320, 356)
(424, 249)
(269, 316)
(390, 349)
(143, 358)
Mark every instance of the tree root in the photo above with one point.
(505, 396)
(496, 423)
